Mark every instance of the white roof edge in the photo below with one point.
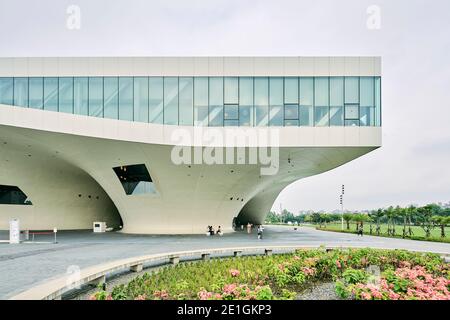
(192, 66)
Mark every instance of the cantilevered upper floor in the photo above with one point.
(203, 91)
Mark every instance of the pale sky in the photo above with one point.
(413, 164)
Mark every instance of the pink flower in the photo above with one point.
(338, 264)
(366, 296)
(235, 272)
(309, 271)
(204, 295)
(141, 297)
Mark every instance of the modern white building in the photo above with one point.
(136, 141)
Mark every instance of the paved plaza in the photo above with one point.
(25, 265)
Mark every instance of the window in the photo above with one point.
(367, 101)
(156, 100)
(276, 102)
(96, 97)
(291, 112)
(231, 115)
(201, 101)
(231, 89)
(13, 195)
(306, 101)
(135, 179)
(6, 91)
(291, 90)
(80, 96)
(36, 91)
(246, 101)
(140, 107)
(21, 92)
(51, 94)
(261, 101)
(216, 101)
(378, 101)
(351, 90)
(351, 99)
(125, 98)
(171, 100)
(111, 94)
(66, 95)
(336, 101)
(186, 101)
(321, 101)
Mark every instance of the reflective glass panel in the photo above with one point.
(336, 116)
(21, 92)
(378, 101)
(125, 98)
(36, 93)
(155, 100)
(291, 112)
(66, 94)
(80, 96)
(216, 101)
(111, 103)
(201, 101)
(171, 100)
(351, 111)
(6, 91)
(96, 97)
(367, 90)
(231, 89)
(231, 112)
(186, 101)
(261, 101)
(51, 94)
(306, 101)
(291, 90)
(336, 91)
(246, 101)
(140, 99)
(351, 89)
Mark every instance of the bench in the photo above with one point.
(33, 233)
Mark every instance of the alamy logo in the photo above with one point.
(73, 21)
(218, 146)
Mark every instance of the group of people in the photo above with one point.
(210, 231)
(259, 229)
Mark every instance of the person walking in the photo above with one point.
(249, 228)
(260, 232)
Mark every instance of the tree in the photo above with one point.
(441, 222)
(410, 212)
(377, 215)
(348, 217)
(424, 218)
(390, 214)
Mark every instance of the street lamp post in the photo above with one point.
(341, 200)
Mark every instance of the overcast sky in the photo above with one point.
(412, 166)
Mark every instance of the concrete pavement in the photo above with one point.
(26, 265)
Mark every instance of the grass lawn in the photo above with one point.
(418, 232)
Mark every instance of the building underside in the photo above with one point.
(86, 140)
(71, 182)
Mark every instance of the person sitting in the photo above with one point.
(219, 231)
(212, 231)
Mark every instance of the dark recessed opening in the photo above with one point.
(135, 179)
(13, 195)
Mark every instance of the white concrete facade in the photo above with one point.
(56, 157)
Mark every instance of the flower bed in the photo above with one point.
(358, 273)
